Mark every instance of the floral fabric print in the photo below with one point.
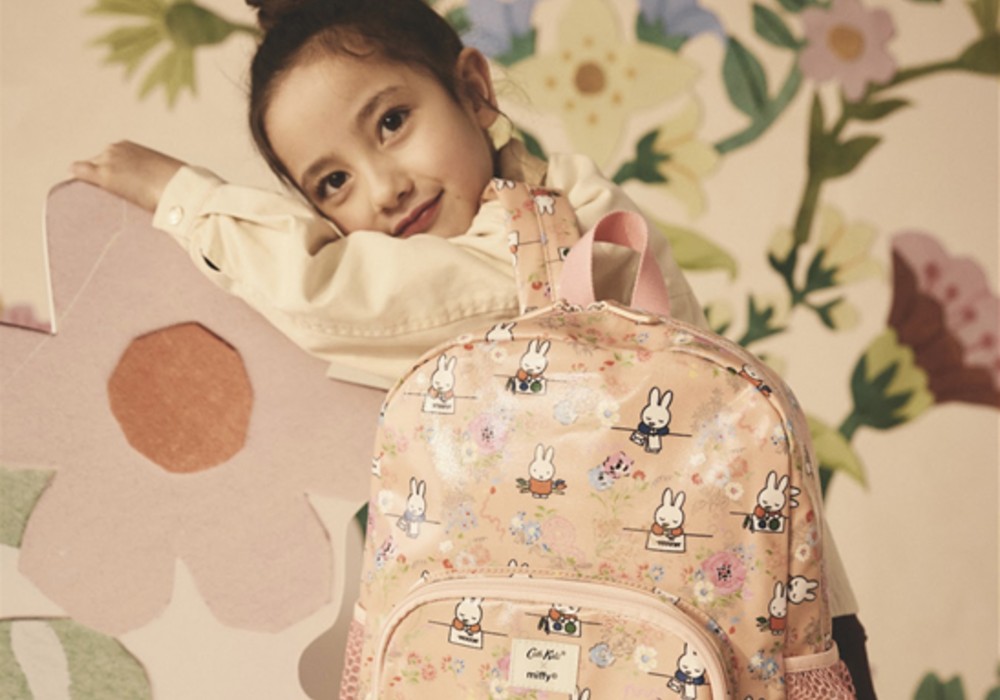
(606, 500)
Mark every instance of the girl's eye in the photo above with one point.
(330, 184)
(393, 120)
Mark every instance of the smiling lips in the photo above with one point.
(420, 219)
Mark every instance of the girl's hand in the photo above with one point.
(137, 173)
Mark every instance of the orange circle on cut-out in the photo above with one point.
(182, 397)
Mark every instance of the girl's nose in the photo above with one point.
(390, 189)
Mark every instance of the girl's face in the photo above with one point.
(378, 146)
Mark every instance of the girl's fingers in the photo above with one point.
(84, 170)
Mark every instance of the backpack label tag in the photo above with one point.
(544, 665)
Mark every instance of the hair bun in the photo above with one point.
(271, 12)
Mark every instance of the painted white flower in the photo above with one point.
(595, 79)
(608, 413)
(704, 592)
(645, 658)
(386, 499)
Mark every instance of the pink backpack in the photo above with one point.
(592, 501)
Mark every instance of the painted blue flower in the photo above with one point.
(496, 24)
(680, 18)
(601, 655)
(599, 479)
(532, 532)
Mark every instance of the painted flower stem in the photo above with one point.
(807, 207)
(850, 424)
(909, 74)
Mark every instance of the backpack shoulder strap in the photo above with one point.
(541, 228)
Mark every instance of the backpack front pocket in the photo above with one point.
(520, 637)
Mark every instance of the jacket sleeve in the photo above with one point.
(368, 301)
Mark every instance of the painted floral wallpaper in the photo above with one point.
(748, 130)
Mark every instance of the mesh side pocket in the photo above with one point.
(825, 683)
(352, 661)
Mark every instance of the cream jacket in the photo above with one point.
(369, 304)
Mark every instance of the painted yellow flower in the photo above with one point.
(842, 252)
(846, 248)
(687, 158)
(595, 78)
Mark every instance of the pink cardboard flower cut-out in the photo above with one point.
(104, 538)
(847, 43)
(945, 310)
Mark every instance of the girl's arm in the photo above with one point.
(368, 302)
(131, 171)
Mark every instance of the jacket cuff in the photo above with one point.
(183, 200)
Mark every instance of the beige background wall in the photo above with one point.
(920, 541)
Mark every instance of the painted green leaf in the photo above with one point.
(653, 33)
(129, 45)
(533, 145)
(887, 385)
(521, 46)
(769, 25)
(746, 82)
(794, 5)
(839, 159)
(97, 666)
(645, 166)
(817, 276)
(173, 72)
(190, 25)
(693, 251)
(983, 56)
(986, 14)
(143, 8)
(872, 111)
(932, 688)
(834, 452)
(458, 18)
(759, 323)
(20, 490)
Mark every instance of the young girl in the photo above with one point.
(384, 124)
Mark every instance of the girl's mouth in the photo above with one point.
(420, 219)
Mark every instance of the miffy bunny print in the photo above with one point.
(768, 515)
(654, 422)
(541, 482)
(690, 674)
(415, 513)
(530, 375)
(466, 627)
(440, 397)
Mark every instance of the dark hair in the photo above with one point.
(405, 31)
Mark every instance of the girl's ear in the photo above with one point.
(472, 71)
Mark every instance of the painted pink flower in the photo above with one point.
(220, 485)
(726, 572)
(847, 43)
(489, 432)
(945, 310)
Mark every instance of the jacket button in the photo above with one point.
(175, 215)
